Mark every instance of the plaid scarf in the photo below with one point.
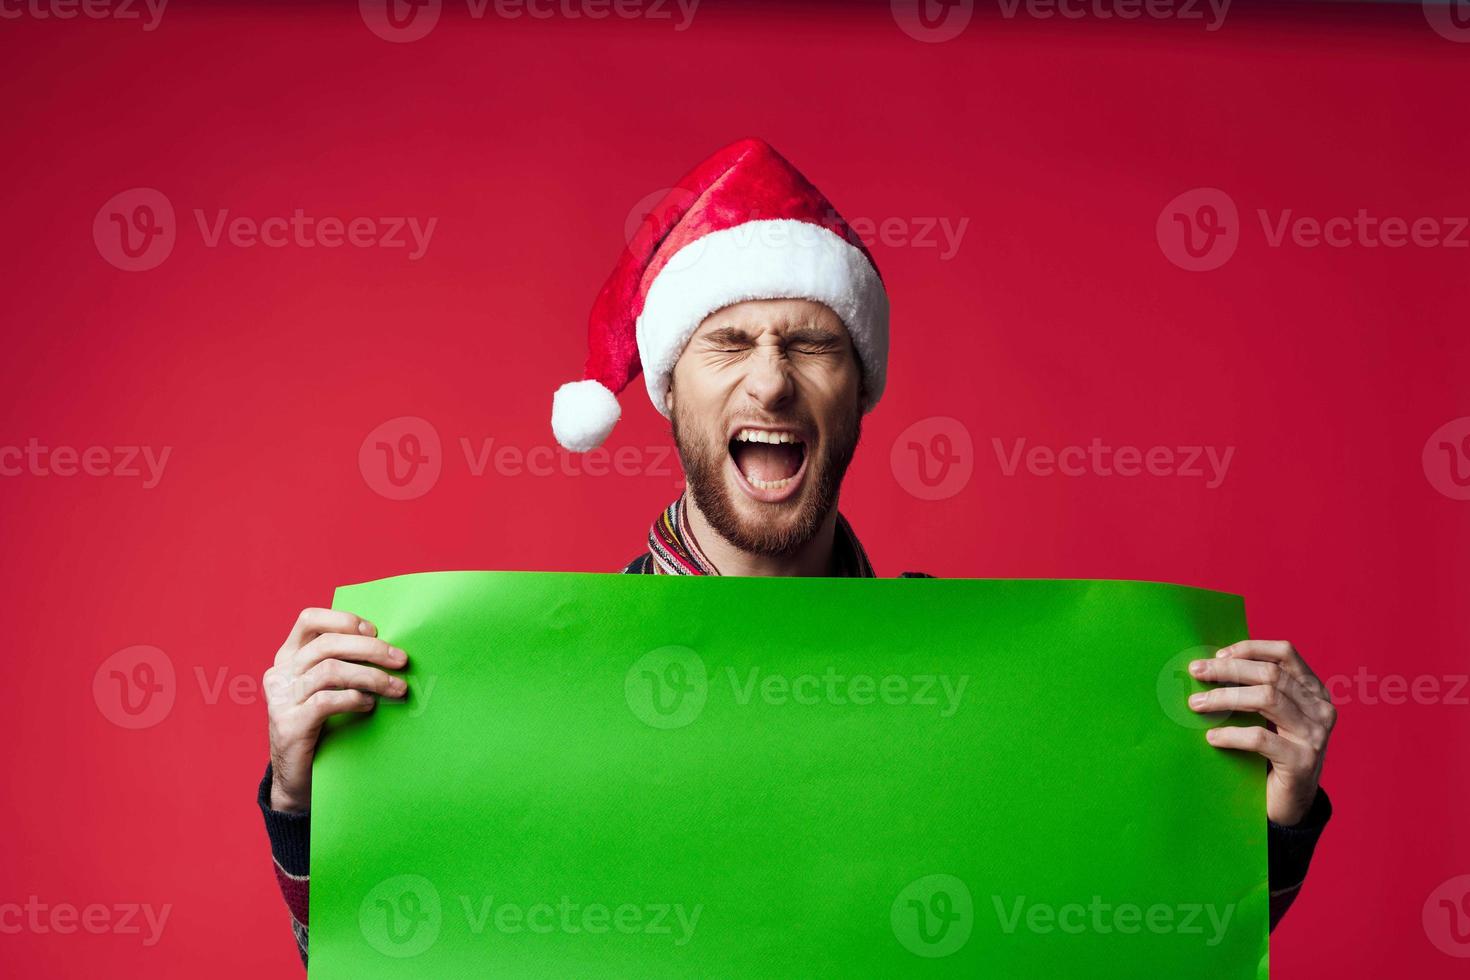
(672, 549)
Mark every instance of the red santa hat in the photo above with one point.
(743, 225)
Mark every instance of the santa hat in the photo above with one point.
(743, 225)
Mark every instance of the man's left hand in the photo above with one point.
(1271, 679)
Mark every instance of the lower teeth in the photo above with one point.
(768, 484)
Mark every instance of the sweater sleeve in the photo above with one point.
(1289, 852)
(290, 837)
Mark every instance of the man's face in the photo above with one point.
(765, 401)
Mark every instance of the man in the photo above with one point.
(760, 324)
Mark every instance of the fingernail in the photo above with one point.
(367, 629)
(397, 686)
(1211, 734)
(1196, 700)
(398, 654)
(1197, 667)
(1222, 653)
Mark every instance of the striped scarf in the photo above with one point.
(672, 549)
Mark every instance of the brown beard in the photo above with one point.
(704, 464)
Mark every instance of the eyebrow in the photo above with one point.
(727, 335)
(799, 335)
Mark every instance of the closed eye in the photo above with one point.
(727, 340)
(813, 342)
(731, 340)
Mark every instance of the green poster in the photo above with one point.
(667, 777)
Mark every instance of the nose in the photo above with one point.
(768, 381)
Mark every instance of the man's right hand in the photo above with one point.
(331, 662)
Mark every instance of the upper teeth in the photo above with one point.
(764, 435)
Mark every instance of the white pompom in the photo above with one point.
(582, 414)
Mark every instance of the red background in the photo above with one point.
(1058, 320)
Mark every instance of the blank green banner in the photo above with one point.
(668, 777)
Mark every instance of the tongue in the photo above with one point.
(767, 461)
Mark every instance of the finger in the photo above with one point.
(314, 621)
(341, 646)
(1269, 702)
(1230, 670)
(1324, 713)
(341, 675)
(1277, 652)
(324, 703)
(1280, 750)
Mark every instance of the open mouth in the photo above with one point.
(769, 460)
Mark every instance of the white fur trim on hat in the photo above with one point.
(780, 258)
(583, 413)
